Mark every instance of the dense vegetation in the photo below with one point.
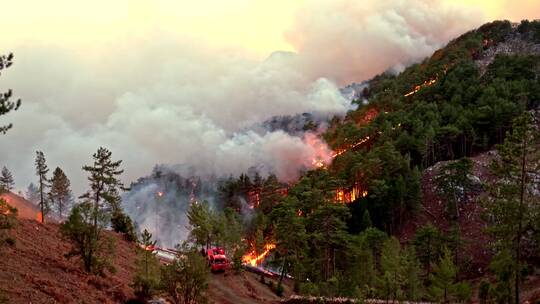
(451, 106)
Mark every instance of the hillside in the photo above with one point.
(36, 271)
(25, 209)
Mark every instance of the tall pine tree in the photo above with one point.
(60, 192)
(105, 184)
(41, 172)
(513, 202)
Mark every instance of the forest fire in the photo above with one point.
(356, 144)
(351, 194)
(254, 259)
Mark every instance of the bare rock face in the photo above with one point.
(515, 43)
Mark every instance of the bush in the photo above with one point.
(186, 278)
(463, 292)
(122, 223)
(94, 249)
(309, 289)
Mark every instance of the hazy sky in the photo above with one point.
(179, 81)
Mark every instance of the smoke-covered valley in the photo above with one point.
(177, 101)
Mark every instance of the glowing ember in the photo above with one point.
(254, 259)
(160, 194)
(356, 144)
(417, 88)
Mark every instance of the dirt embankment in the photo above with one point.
(35, 270)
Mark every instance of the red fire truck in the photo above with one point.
(217, 259)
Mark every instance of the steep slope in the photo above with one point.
(35, 270)
(471, 224)
(25, 209)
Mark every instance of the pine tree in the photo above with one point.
(60, 192)
(453, 183)
(146, 278)
(84, 228)
(41, 172)
(6, 105)
(391, 277)
(88, 219)
(513, 203)
(413, 287)
(290, 236)
(443, 279)
(105, 184)
(6, 180)
(200, 219)
(428, 242)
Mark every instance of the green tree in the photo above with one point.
(453, 183)
(412, 284)
(105, 184)
(391, 275)
(290, 237)
(6, 105)
(186, 278)
(147, 275)
(200, 220)
(328, 235)
(233, 232)
(41, 172)
(60, 192)
(444, 287)
(512, 205)
(122, 223)
(84, 228)
(428, 242)
(6, 180)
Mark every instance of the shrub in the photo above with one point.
(122, 223)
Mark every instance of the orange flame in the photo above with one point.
(39, 217)
(254, 259)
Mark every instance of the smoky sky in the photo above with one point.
(173, 99)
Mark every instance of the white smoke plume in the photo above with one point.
(173, 100)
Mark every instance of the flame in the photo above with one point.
(351, 194)
(39, 217)
(254, 259)
(160, 194)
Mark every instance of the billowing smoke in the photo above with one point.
(352, 40)
(174, 100)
